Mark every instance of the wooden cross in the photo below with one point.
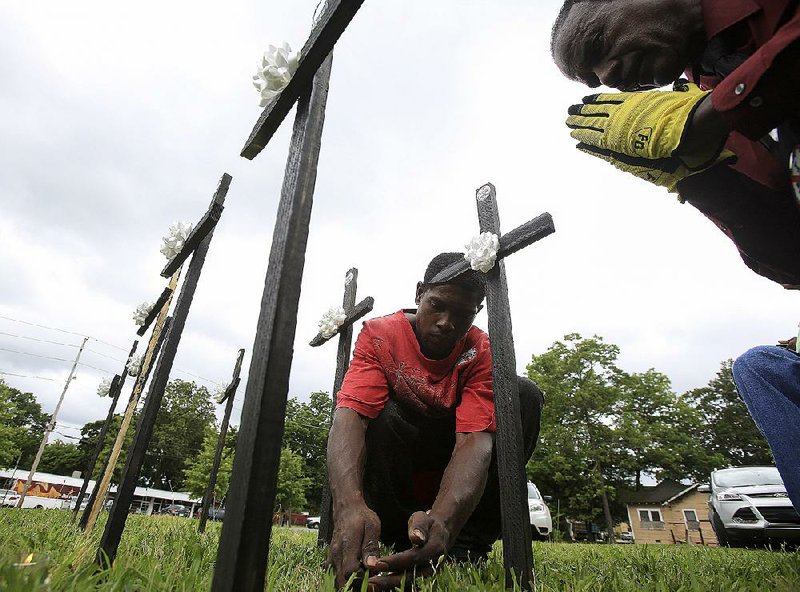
(116, 388)
(333, 21)
(228, 396)
(243, 550)
(118, 515)
(517, 556)
(345, 331)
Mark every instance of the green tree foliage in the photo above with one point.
(198, 472)
(62, 458)
(90, 434)
(577, 444)
(657, 432)
(306, 434)
(22, 425)
(186, 411)
(292, 483)
(728, 430)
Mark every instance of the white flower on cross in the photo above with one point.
(104, 388)
(135, 364)
(219, 391)
(172, 244)
(142, 312)
(331, 321)
(482, 251)
(275, 71)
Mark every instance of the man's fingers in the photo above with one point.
(419, 527)
(606, 98)
(369, 545)
(393, 581)
(590, 110)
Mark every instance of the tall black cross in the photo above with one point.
(116, 388)
(517, 556)
(243, 550)
(118, 515)
(353, 313)
(227, 398)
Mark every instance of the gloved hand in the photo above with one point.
(641, 132)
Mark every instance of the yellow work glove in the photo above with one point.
(640, 132)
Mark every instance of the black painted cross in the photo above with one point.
(227, 398)
(353, 313)
(114, 392)
(198, 249)
(243, 551)
(517, 557)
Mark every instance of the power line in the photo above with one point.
(42, 326)
(95, 368)
(104, 355)
(27, 376)
(39, 340)
(14, 351)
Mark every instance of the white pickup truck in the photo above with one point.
(10, 498)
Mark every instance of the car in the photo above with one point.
(8, 497)
(176, 510)
(312, 522)
(749, 505)
(541, 521)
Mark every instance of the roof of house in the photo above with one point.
(664, 493)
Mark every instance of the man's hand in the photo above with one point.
(354, 545)
(790, 344)
(651, 134)
(430, 540)
(432, 533)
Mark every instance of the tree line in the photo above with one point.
(603, 431)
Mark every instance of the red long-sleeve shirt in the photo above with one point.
(752, 201)
(387, 361)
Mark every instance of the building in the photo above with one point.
(669, 513)
(146, 500)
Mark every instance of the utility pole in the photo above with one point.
(50, 426)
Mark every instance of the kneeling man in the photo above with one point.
(411, 457)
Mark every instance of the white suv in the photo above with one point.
(541, 521)
(750, 505)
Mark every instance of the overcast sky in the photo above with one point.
(119, 119)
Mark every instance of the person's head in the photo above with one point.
(627, 44)
(445, 311)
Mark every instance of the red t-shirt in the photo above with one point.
(387, 362)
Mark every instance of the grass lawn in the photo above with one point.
(166, 553)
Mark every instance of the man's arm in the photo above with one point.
(356, 528)
(433, 532)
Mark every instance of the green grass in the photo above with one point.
(165, 553)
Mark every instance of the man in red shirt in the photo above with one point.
(748, 52)
(411, 458)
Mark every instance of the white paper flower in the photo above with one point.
(135, 364)
(331, 321)
(219, 392)
(104, 388)
(142, 312)
(275, 71)
(172, 244)
(482, 251)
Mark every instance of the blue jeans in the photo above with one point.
(768, 379)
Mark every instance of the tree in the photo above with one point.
(22, 426)
(657, 429)
(61, 458)
(728, 431)
(292, 483)
(198, 471)
(577, 448)
(186, 411)
(90, 433)
(306, 434)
